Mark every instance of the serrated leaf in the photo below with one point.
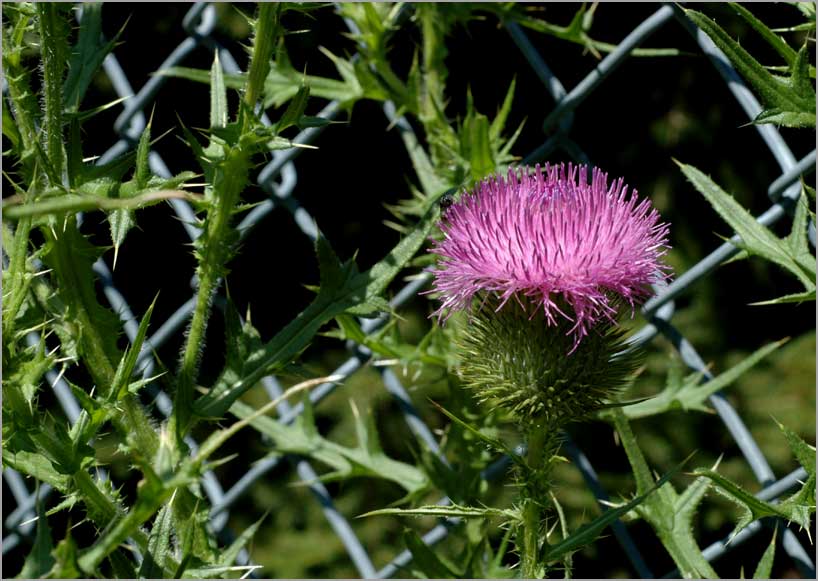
(218, 571)
(121, 222)
(36, 465)
(23, 375)
(755, 508)
(446, 511)
(775, 92)
(755, 238)
(66, 503)
(121, 566)
(803, 452)
(777, 116)
(691, 394)
(303, 438)
(155, 559)
(142, 172)
(793, 298)
(765, 564)
(668, 513)
(775, 41)
(797, 241)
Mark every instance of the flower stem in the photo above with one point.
(54, 46)
(542, 442)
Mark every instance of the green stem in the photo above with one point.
(23, 103)
(216, 249)
(53, 47)
(542, 441)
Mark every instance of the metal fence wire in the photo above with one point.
(279, 179)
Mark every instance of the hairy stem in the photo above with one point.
(216, 249)
(54, 49)
(542, 443)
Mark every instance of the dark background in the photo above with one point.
(648, 112)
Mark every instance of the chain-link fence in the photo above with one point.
(279, 178)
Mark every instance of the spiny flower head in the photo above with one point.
(576, 250)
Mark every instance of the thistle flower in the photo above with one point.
(575, 250)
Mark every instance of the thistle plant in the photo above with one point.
(537, 270)
(546, 262)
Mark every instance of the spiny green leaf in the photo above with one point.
(803, 452)
(447, 511)
(304, 439)
(36, 465)
(778, 116)
(218, 571)
(668, 513)
(775, 41)
(691, 394)
(755, 508)
(121, 566)
(155, 559)
(775, 92)
(765, 564)
(587, 533)
(756, 239)
(24, 372)
(481, 159)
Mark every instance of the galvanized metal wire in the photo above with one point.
(279, 178)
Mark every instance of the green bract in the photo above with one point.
(517, 360)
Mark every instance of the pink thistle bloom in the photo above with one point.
(556, 239)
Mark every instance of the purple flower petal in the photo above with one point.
(576, 250)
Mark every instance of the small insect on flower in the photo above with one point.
(446, 201)
(549, 238)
